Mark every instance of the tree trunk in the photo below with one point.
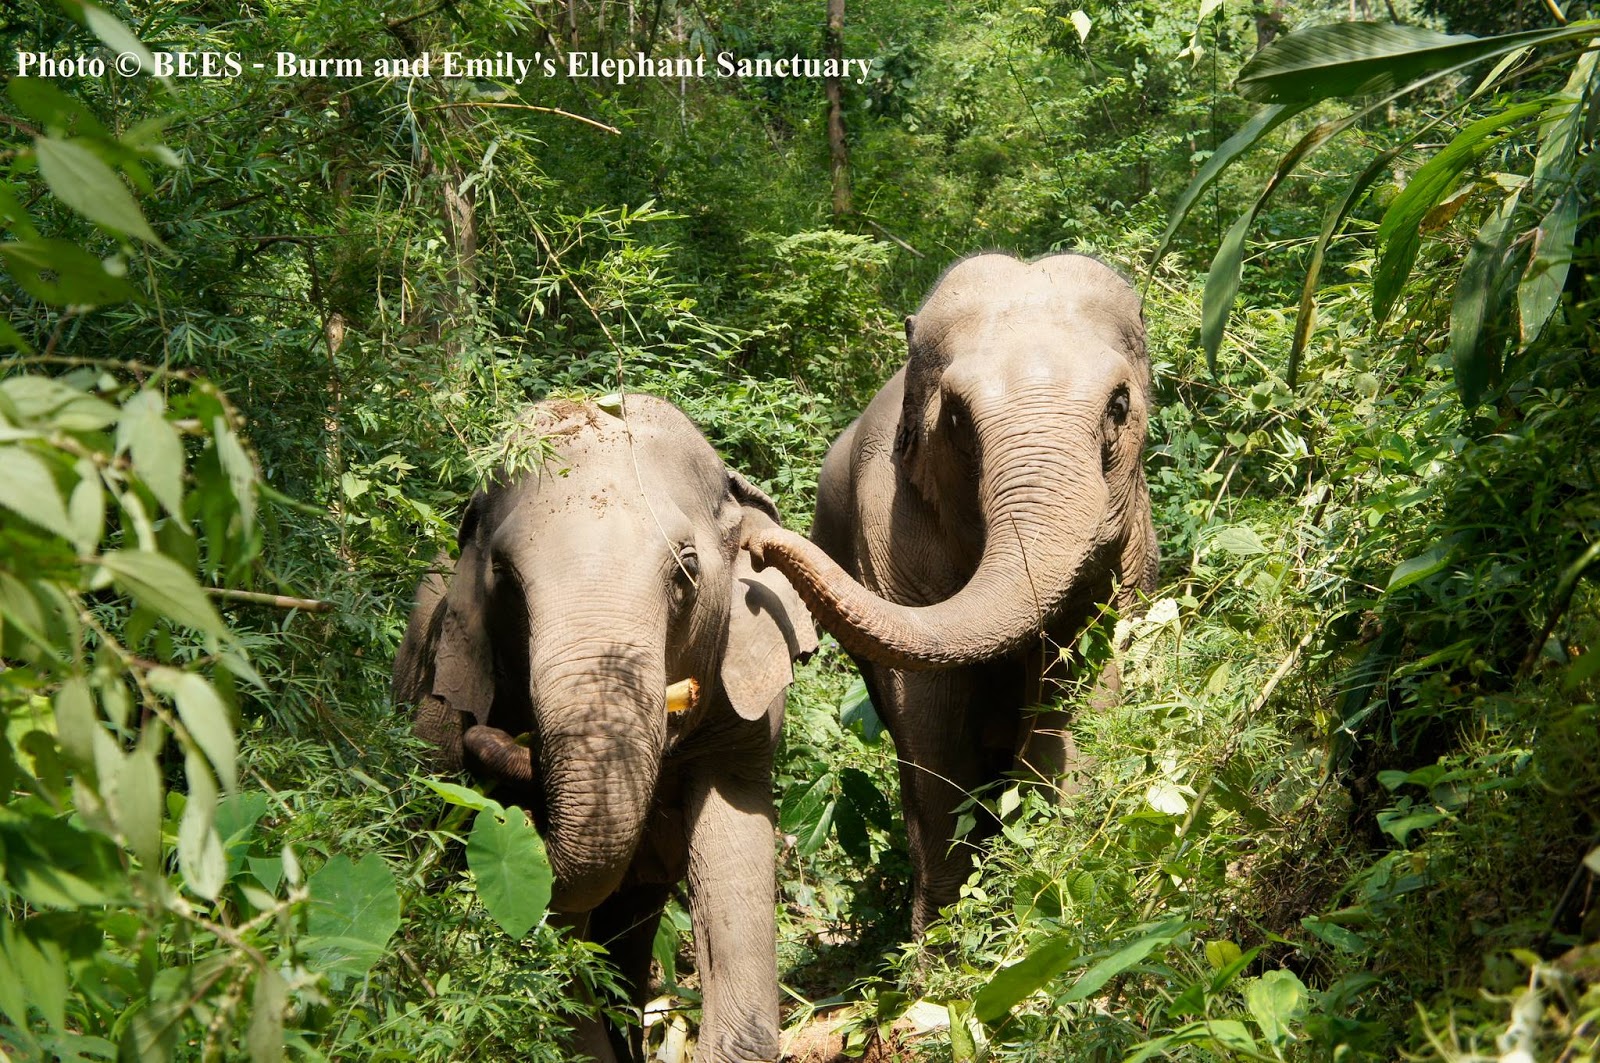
(839, 152)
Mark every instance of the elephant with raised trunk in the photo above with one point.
(973, 519)
(585, 590)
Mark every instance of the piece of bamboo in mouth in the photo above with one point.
(683, 695)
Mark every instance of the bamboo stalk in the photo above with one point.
(280, 601)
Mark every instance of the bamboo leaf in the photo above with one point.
(1546, 275)
(1248, 136)
(1476, 360)
(1399, 233)
(1359, 58)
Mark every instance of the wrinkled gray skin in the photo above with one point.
(990, 494)
(583, 589)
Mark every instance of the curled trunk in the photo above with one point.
(1045, 515)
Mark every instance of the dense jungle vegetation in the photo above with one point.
(264, 336)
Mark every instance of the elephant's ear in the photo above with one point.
(462, 663)
(769, 627)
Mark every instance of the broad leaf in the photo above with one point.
(61, 273)
(88, 185)
(149, 438)
(508, 859)
(1092, 980)
(1398, 232)
(1360, 58)
(28, 489)
(353, 912)
(161, 584)
(1012, 984)
(205, 717)
(1473, 351)
(1277, 1000)
(1546, 275)
(1246, 137)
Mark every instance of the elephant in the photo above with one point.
(974, 518)
(585, 590)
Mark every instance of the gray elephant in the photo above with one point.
(584, 591)
(971, 521)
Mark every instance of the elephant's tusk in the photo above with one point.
(683, 695)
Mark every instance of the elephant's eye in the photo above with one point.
(686, 568)
(1117, 410)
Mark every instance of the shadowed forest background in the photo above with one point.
(1350, 802)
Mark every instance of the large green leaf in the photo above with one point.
(1277, 1000)
(1475, 305)
(157, 451)
(1092, 980)
(1222, 282)
(161, 584)
(1360, 58)
(1010, 985)
(28, 489)
(205, 717)
(1399, 235)
(200, 855)
(1244, 138)
(61, 273)
(88, 185)
(353, 912)
(135, 804)
(1546, 275)
(507, 858)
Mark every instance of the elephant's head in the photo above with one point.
(1026, 397)
(584, 589)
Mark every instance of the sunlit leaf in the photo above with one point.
(160, 583)
(353, 912)
(88, 185)
(507, 857)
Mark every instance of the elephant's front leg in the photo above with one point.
(945, 754)
(732, 889)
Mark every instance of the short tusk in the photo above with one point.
(683, 695)
(499, 753)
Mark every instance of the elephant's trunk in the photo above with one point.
(601, 717)
(1045, 508)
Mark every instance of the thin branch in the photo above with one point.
(280, 601)
(613, 130)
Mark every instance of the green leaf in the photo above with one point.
(28, 489)
(135, 803)
(1425, 564)
(1277, 1000)
(963, 1046)
(1092, 980)
(1246, 137)
(205, 717)
(161, 584)
(1334, 934)
(51, 404)
(1221, 953)
(1305, 318)
(865, 795)
(144, 433)
(88, 185)
(1222, 285)
(265, 1037)
(803, 805)
(61, 273)
(1546, 275)
(1240, 540)
(856, 710)
(353, 912)
(241, 473)
(1360, 58)
(460, 795)
(114, 35)
(507, 858)
(200, 855)
(1398, 233)
(1475, 354)
(1010, 985)
(76, 721)
(1227, 268)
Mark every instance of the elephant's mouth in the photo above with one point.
(510, 759)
